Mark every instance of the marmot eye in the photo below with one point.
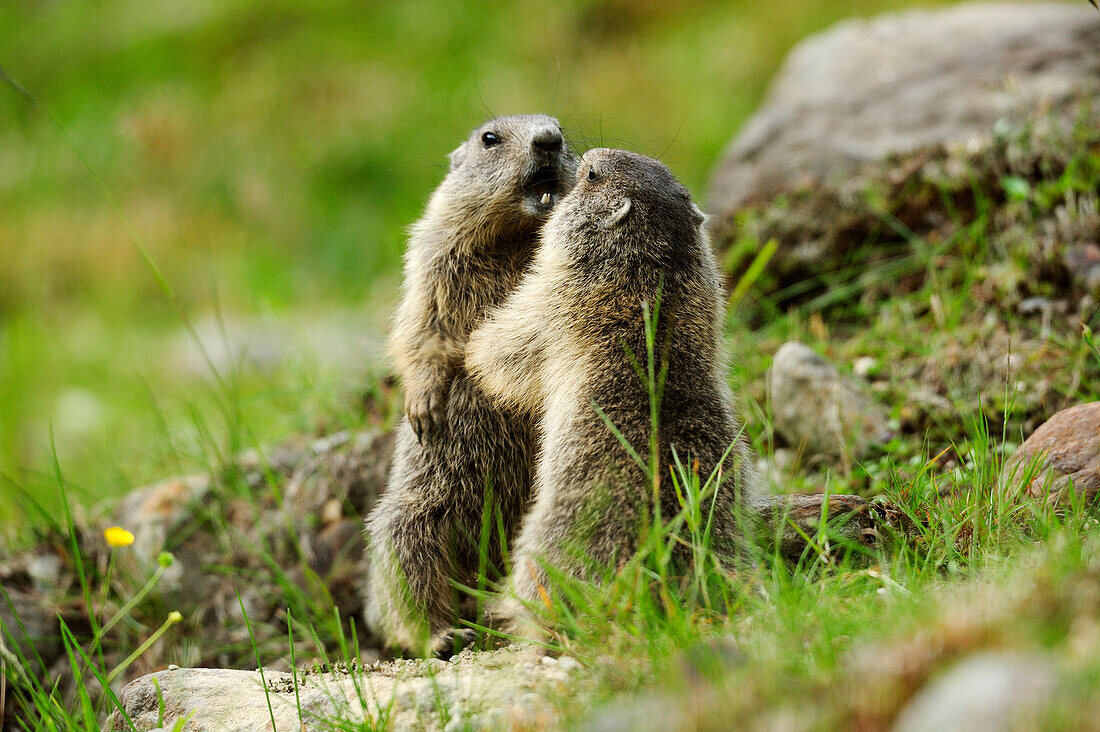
(489, 139)
(591, 174)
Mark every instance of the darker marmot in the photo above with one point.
(566, 345)
(457, 452)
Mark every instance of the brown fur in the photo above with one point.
(557, 348)
(456, 448)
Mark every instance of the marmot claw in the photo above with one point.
(426, 411)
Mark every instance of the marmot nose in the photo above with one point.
(548, 139)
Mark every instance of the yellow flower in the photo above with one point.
(118, 536)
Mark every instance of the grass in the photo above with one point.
(797, 638)
(257, 215)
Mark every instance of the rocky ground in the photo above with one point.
(507, 688)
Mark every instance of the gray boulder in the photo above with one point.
(868, 89)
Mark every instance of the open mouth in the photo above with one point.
(543, 187)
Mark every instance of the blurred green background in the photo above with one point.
(269, 155)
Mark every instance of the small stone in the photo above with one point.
(44, 571)
(568, 664)
(332, 511)
(1033, 305)
(819, 411)
(328, 443)
(1083, 263)
(864, 367)
(31, 622)
(1066, 448)
(348, 469)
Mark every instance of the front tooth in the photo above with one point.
(545, 198)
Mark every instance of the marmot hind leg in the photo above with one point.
(410, 596)
(429, 534)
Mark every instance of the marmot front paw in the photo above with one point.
(452, 642)
(425, 409)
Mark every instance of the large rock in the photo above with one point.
(508, 689)
(867, 89)
(881, 133)
(1064, 450)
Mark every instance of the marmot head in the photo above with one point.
(512, 170)
(625, 209)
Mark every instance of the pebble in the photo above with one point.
(45, 571)
(568, 664)
(819, 411)
(864, 366)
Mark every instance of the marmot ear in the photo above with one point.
(698, 215)
(458, 156)
(618, 214)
